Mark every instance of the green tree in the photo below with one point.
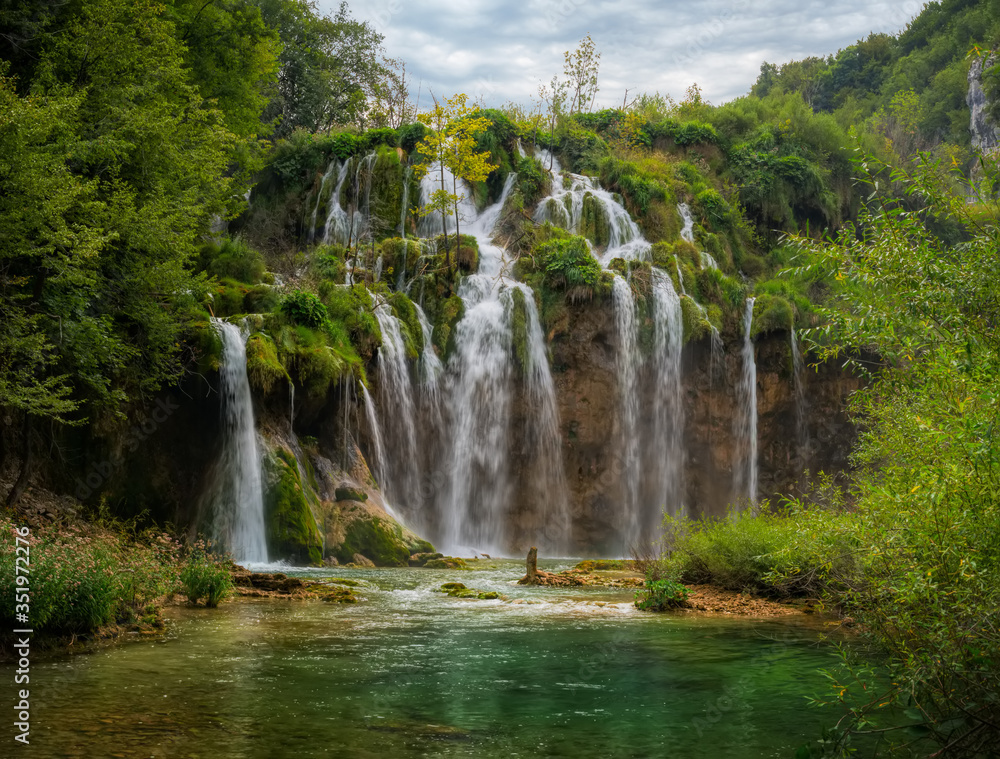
(451, 144)
(114, 166)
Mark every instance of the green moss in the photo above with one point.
(696, 326)
(291, 528)
(350, 494)
(406, 312)
(379, 540)
(594, 221)
(263, 367)
(450, 313)
(771, 313)
(519, 329)
(208, 346)
(386, 190)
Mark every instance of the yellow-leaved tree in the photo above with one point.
(451, 144)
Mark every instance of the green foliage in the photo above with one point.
(263, 367)
(569, 264)
(235, 259)
(203, 575)
(83, 580)
(305, 309)
(661, 595)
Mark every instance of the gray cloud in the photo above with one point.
(504, 51)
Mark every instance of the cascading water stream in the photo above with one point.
(745, 471)
(667, 449)
(554, 524)
(480, 384)
(687, 231)
(399, 472)
(237, 501)
(628, 363)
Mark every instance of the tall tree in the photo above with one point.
(451, 144)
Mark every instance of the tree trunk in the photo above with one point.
(27, 462)
(532, 565)
(458, 229)
(444, 223)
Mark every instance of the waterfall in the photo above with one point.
(346, 228)
(801, 409)
(476, 503)
(291, 406)
(565, 208)
(745, 470)
(687, 231)
(238, 499)
(667, 449)
(549, 482)
(375, 431)
(319, 198)
(404, 209)
(399, 473)
(480, 392)
(628, 359)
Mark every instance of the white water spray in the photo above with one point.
(238, 501)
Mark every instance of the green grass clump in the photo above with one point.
(205, 576)
(83, 579)
(660, 595)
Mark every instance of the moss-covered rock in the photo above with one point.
(363, 529)
(351, 494)
(263, 367)
(292, 533)
(446, 562)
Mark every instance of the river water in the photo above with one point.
(409, 672)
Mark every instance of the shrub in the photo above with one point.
(235, 259)
(660, 595)
(83, 580)
(203, 576)
(305, 309)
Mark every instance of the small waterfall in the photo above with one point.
(337, 226)
(707, 261)
(291, 406)
(346, 228)
(375, 431)
(399, 472)
(238, 499)
(745, 469)
(627, 330)
(565, 208)
(667, 449)
(549, 479)
(801, 408)
(404, 209)
(687, 231)
(319, 198)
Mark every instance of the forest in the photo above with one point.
(426, 308)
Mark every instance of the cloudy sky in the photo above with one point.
(503, 50)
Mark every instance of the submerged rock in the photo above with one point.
(446, 562)
(458, 590)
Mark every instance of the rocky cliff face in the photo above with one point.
(985, 134)
(587, 386)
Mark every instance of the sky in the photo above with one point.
(503, 51)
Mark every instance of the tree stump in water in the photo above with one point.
(534, 577)
(532, 566)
